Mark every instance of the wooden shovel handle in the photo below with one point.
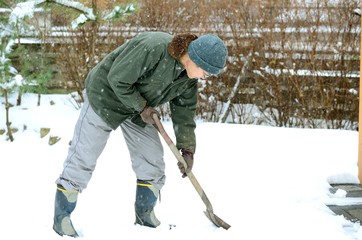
(179, 157)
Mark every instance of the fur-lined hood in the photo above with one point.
(179, 44)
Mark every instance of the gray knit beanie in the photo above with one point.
(209, 53)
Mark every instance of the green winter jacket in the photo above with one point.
(141, 72)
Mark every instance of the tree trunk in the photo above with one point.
(18, 100)
(39, 97)
(8, 123)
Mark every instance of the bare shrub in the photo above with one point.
(297, 61)
(303, 60)
(78, 50)
(77, 54)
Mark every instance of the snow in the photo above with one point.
(306, 72)
(17, 80)
(266, 182)
(26, 9)
(117, 10)
(22, 10)
(80, 20)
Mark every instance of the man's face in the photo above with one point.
(194, 71)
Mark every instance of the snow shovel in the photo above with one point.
(209, 211)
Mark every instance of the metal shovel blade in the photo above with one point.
(216, 220)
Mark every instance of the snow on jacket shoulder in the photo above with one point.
(141, 72)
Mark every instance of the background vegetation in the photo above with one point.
(292, 63)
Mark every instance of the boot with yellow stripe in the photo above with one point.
(65, 202)
(146, 198)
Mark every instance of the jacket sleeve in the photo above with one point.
(127, 68)
(183, 109)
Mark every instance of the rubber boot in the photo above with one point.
(146, 198)
(65, 202)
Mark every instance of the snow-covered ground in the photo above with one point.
(266, 182)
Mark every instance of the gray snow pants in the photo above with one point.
(90, 137)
